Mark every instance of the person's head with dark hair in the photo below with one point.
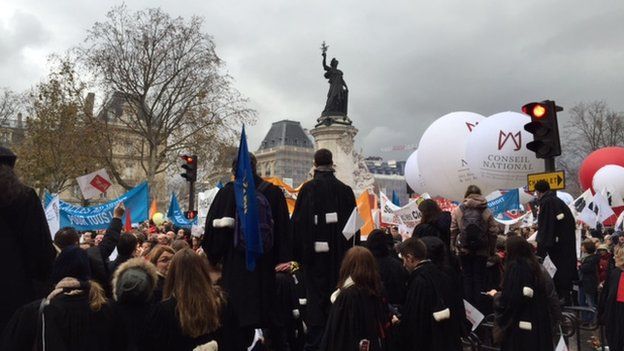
(323, 157)
(141, 238)
(472, 190)
(252, 160)
(588, 246)
(127, 245)
(541, 188)
(379, 243)
(72, 262)
(412, 251)
(360, 265)
(7, 157)
(436, 250)
(179, 244)
(518, 250)
(65, 237)
(430, 211)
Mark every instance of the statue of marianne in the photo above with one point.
(337, 96)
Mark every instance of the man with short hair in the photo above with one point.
(322, 209)
(426, 322)
(126, 249)
(556, 237)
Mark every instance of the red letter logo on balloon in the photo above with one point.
(503, 137)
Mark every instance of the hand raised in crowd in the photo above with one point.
(119, 210)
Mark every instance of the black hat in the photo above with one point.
(542, 186)
(72, 262)
(7, 157)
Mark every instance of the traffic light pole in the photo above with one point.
(191, 196)
(549, 164)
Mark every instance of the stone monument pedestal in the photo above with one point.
(350, 166)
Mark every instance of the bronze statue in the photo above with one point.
(338, 94)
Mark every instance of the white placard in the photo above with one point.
(473, 315)
(550, 266)
(561, 345)
(53, 216)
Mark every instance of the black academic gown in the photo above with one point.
(355, 315)
(511, 307)
(252, 294)
(27, 253)
(70, 325)
(322, 195)
(429, 290)
(556, 238)
(611, 311)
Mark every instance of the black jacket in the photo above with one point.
(98, 255)
(588, 273)
(27, 253)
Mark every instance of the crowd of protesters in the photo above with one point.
(313, 288)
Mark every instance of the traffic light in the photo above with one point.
(190, 215)
(190, 168)
(544, 127)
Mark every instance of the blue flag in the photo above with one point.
(510, 201)
(176, 215)
(99, 217)
(395, 198)
(246, 204)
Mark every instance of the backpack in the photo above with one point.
(265, 222)
(474, 233)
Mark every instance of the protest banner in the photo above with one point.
(99, 217)
(52, 215)
(93, 184)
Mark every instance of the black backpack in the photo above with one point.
(474, 230)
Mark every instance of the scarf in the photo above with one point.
(324, 168)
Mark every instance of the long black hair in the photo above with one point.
(11, 187)
(519, 250)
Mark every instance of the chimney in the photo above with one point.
(89, 104)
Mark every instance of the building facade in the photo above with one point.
(286, 152)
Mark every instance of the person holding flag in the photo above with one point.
(248, 231)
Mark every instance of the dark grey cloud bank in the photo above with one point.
(406, 62)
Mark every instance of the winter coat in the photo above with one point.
(98, 255)
(474, 201)
(588, 273)
(27, 252)
(439, 228)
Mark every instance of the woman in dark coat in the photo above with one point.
(193, 311)
(76, 316)
(611, 307)
(393, 275)
(522, 307)
(358, 314)
(434, 222)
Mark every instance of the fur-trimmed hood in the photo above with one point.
(135, 263)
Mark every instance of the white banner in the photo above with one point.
(53, 216)
(473, 315)
(409, 215)
(354, 223)
(388, 209)
(603, 210)
(204, 200)
(94, 184)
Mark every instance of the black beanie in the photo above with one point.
(7, 157)
(134, 286)
(72, 262)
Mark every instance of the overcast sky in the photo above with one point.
(406, 62)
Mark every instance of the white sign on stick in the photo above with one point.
(473, 315)
(550, 266)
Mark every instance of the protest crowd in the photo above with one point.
(300, 281)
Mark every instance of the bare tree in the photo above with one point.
(9, 105)
(175, 97)
(592, 126)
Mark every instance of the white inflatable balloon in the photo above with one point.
(566, 197)
(441, 153)
(610, 177)
(412, 174)
(497, 154)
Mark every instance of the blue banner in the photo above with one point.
(246, 204)
(99, 217)
(176, 216)
(506, 205)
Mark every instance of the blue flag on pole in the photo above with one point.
(246, 204)
(176, 215)
(510, 201)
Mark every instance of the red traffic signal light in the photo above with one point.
(535, 110)
(544, 127)
(190, 215)
(190, 168)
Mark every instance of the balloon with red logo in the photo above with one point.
(596, 160)
(497, 154)
(441, 154)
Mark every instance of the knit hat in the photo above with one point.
(72, 262)
(379, 243)
(7, 157)
(134, 281)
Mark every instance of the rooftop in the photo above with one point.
(286, 133)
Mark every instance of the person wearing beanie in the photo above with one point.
(75, 316)
(393, 275)
(25, 239)
(134, 282)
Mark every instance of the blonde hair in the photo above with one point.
(97, 297)
(618, 256)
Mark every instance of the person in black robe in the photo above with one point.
(427, 321)
(75, 316)
(252, 294)
(434, 222)
(25, 239)
(556, 237)
(524, 308)
(393, 275)
(322, 209)
(358, 313)
(611, 306)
